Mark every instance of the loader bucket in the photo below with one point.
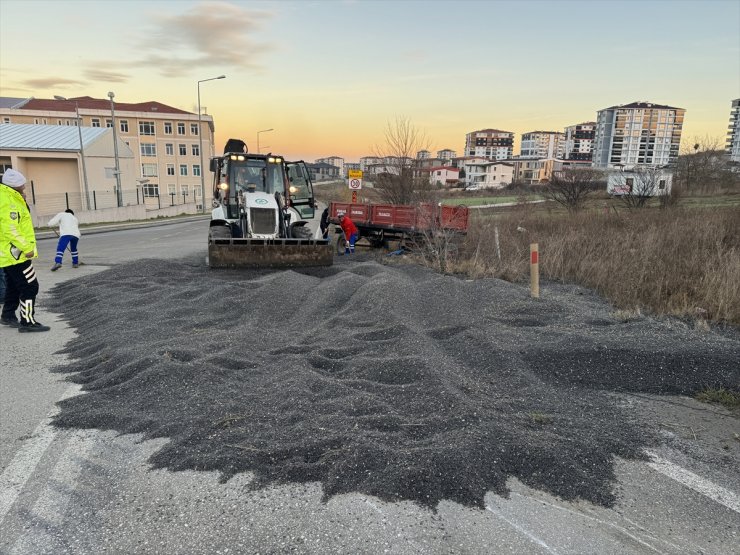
(269, 253)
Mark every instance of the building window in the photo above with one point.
(195, 150)
(193, 128)
(184, 169)
(6, 120)
(146, 128)
(109, 123)
(180, 128)
(171, 189)
(183, 150)
(149, 170)
(169, 149)
(183, 190)
(150, 190)
(148, 149)
(196, 192)
(168, 128)
(196, 170)
(96, 122)
(170, 169)
(124, 126)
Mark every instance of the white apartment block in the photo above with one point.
(368, 162)
(543, 144)
(579, 141)
(443, 175)
(733, 134)
(637, 134)
(492, 144)
(484, 173)
(423, 155)
(446, 154)
(166, 141)
(336, 161)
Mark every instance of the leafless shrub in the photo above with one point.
(572, 186)
(395, 182)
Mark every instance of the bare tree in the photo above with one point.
(641, 184)
(395, 183)
(703, 164)
(572, 186)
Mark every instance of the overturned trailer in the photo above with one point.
(406, 225)
(264, 213)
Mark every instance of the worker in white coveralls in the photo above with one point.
(17, 249)
(69, 235)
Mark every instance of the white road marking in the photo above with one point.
(16, 474)
(695, 482)
(524, 531)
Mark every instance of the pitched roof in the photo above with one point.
(643, 105)
(10, 102)
(89, 103)
(22, 136)
(491, 131)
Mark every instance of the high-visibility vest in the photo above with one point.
(17, 236)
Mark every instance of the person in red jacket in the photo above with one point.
(351, 233)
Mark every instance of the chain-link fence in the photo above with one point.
(52, 203)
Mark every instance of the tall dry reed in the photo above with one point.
(680, 262)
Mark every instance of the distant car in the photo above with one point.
(472, 188)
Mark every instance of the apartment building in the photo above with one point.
(579, 141)
(166, 141)
(444, 176)
(637, 134)
(485, 174)
(336, 161)
(542, 144)
(492, 144)
(446, 154)
(733, 133)
(423, 155)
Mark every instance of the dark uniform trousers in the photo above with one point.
(21, 290)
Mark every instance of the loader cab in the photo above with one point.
(237, 173)
(300, 189)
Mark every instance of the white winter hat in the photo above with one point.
(13, 178)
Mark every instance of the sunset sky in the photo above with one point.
(328, 76)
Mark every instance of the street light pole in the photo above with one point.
(200, 145)
(82, 149)
(119, 193)
(258, 137)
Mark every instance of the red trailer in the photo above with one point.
(380, 223)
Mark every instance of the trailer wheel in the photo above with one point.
(341, 245)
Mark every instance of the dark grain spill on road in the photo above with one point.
(392, 381)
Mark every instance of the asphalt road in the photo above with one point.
(72, 491)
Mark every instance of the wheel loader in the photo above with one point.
(264, 213)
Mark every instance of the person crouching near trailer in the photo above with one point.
(69, 234)
(351, 233)
(17, 248)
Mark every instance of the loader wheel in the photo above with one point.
(301, 232)
(219, 232)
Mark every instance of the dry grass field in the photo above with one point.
(680, 261)
(683, 260)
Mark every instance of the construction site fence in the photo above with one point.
(102, 199)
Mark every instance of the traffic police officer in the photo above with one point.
(17, 248)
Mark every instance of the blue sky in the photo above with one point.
(328, 76)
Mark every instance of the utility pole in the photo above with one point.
(119, 193)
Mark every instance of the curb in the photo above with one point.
(105, 228)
